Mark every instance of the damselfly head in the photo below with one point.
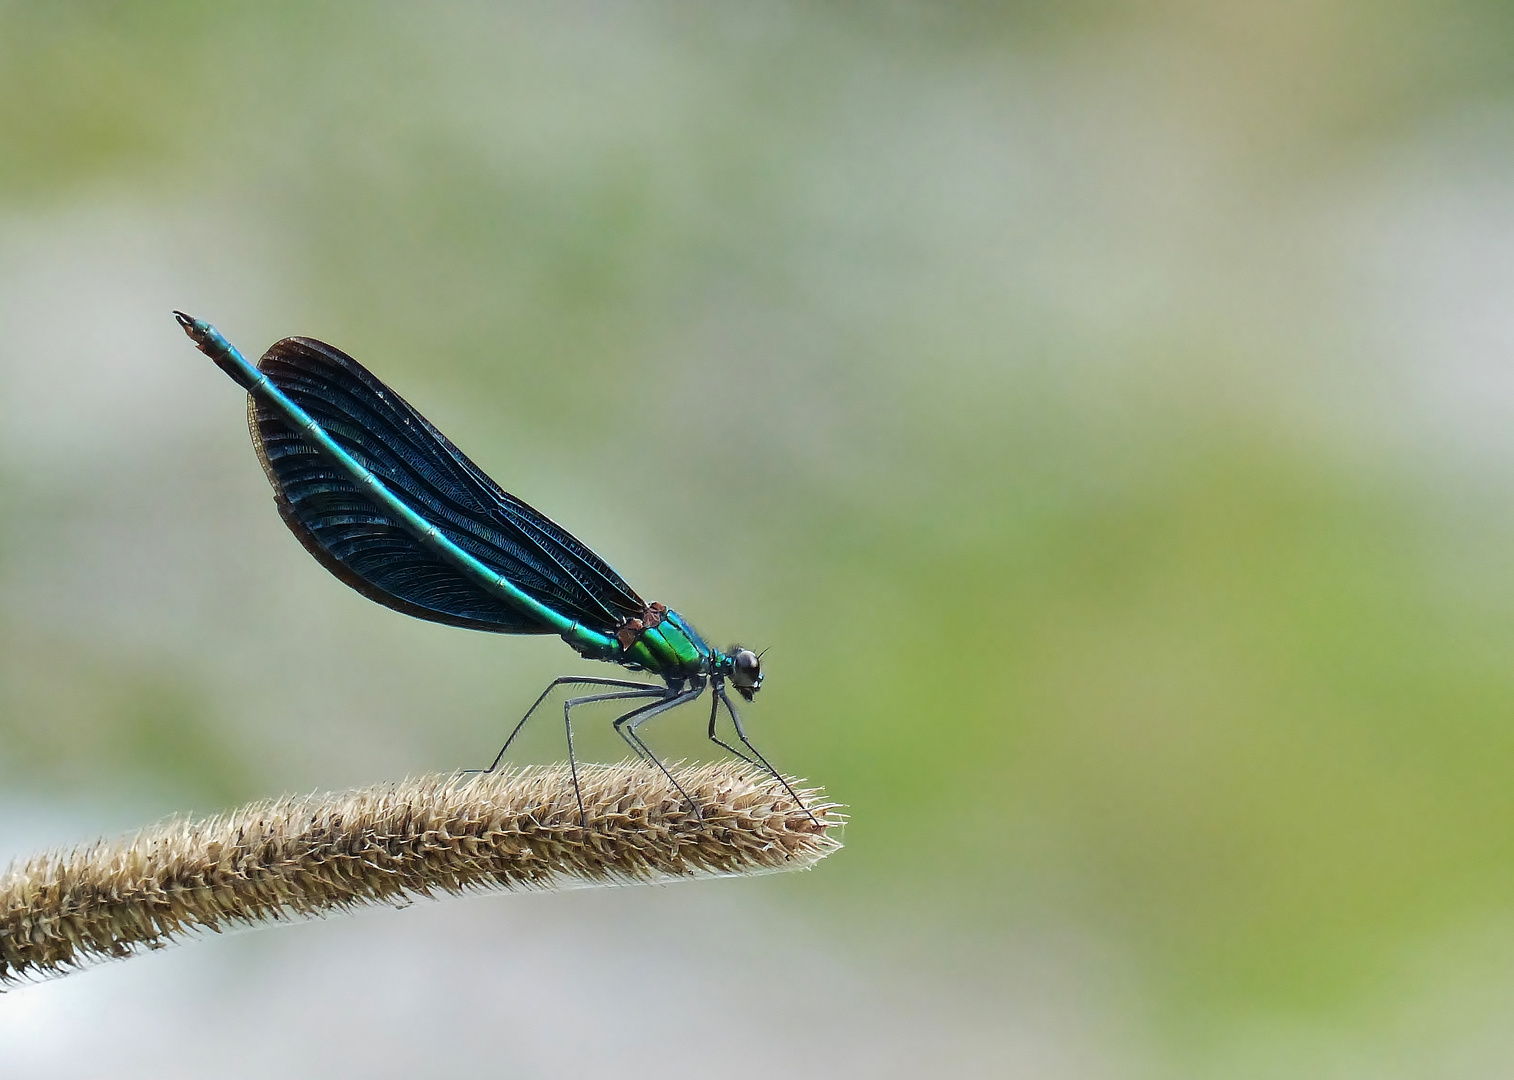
(746, 672)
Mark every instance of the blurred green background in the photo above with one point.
(1104, 410)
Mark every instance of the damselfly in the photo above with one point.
(385, 502)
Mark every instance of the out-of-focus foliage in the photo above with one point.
(1059, 391)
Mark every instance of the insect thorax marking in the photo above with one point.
(630, 630)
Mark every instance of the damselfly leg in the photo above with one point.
(741, 734)
(632, 720)
(620, 722)
(627, 723)
(564, 680)
(567, 719)
(716, 739)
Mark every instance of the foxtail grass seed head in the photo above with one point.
(294, 857)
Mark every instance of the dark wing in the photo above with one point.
(370, 551)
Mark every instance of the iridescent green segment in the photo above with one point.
(671, 646)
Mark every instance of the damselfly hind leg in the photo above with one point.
(563, 680)
(741, 734)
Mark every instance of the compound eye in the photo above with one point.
(746, 669)
(746, 672)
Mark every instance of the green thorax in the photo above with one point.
(668, 647)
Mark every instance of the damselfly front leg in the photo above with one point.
(716, 739)
(741, 734)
